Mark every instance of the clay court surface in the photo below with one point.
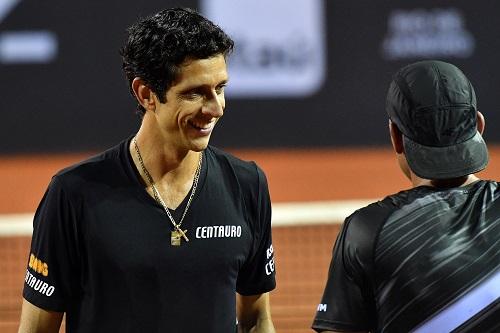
(302, 251)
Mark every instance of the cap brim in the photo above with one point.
(449, 162)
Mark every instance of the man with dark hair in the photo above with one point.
(158, 233)
(425, 259)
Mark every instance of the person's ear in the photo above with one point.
(396, 138)
(480, 122)
(143, 94)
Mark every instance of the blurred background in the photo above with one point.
(305, 100)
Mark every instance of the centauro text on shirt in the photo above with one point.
(34, 280)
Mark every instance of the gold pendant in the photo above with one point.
(175, 237)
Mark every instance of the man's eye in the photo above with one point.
(220, 89)
(192, 95)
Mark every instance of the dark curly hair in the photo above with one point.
(159, 43)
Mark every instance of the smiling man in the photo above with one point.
(162, 233)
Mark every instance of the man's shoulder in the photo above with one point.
(230, 157)
(94, 167)
(248, 170)
(403, 203)
(361, 230)
(374, 215)
(242, 177)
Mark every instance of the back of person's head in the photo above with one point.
(433, 105)
(159, 43)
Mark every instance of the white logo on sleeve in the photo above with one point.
(38, 285)
(270, 262)
(322, 307)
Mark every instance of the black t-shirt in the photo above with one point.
(422, 260)
(101, 248)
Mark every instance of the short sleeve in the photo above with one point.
(52, 276)
(347, 303)
(257, 275)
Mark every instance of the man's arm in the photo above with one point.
(254, 314)
(37, 320)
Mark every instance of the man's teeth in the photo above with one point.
(201, 126)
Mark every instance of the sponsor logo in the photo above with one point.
(16, 47)
(270, 262)
(38, 266)
(322, 307)
(38, 285)
(280, 50)
(218, 231)
(438, 32)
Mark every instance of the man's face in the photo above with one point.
(194, 103)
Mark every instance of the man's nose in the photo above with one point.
(214, 106)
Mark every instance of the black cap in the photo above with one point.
(434, 106)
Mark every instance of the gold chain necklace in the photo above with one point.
(175, 237)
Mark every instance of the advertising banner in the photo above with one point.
(304, 73)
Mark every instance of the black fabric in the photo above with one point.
(106, 246)
(398, 262)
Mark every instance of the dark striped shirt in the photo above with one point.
(422, 260)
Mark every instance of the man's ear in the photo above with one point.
(144, 94)
(480, 122)
(396, 138)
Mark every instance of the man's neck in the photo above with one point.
(443, 183)
(162, 161)
(172, 174)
